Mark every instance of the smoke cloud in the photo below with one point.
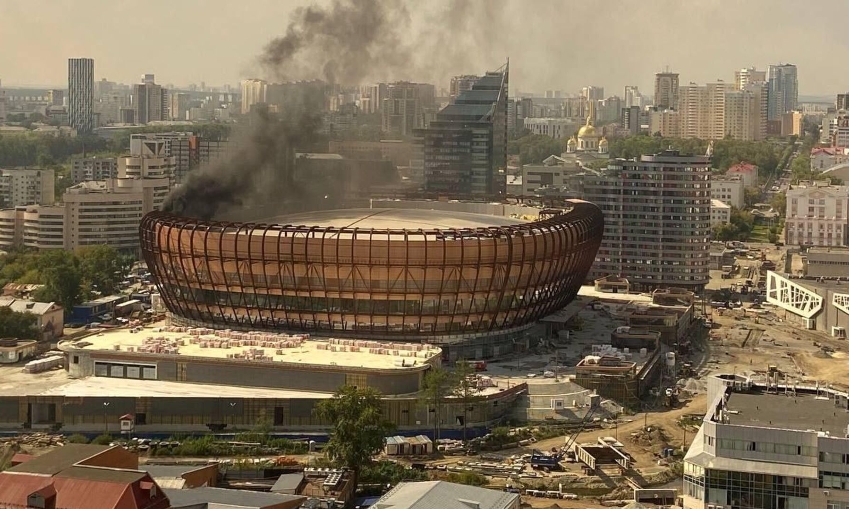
(347, 42)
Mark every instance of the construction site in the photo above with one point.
(598, 412)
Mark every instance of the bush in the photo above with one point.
(387, 472)
(102, 440)
(468, 478)
(77, 439)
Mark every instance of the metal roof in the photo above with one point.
(224, 497)
(26, 306)
(444, 495)
(59, 459)
(171, 470)
(103, 474)
(288, 483)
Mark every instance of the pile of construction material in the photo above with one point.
(377, 348)
(209, 338)
(252, 354)
(46, 364)
(159, 345)
(34, 440)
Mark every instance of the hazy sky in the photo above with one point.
(561, 45)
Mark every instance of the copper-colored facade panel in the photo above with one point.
(408, 284)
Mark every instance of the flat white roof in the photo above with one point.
(317, 351)
(104, 387)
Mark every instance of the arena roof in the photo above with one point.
(310, 352)
(394, 219)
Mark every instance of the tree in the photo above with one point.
(61, 277)
(359, 428)
(465, 390)
(751, 195)
(18, 325)
(436, 386)
(779, 203)
(100, 267)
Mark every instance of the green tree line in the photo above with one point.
(534, 148)
(68, 277)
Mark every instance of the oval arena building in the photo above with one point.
(457, 279)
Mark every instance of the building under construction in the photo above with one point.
(625, 369)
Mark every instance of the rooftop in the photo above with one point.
(443, 495)
(96, 386)
(801, 412)
(222, 498)
(257, 348)
(26, 306)
(394, 219)
(59, 459)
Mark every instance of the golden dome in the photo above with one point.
(603, 142)
(587, 131)
(571, 142)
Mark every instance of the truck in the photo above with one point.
(540, 459)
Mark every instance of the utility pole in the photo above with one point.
(105, 418)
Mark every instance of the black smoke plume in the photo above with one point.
(346, 42)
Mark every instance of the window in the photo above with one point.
(76, 359)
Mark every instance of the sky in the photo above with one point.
(552, 45)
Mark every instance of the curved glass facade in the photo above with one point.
(415, 283)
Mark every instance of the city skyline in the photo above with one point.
(227, 48)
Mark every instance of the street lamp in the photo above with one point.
(105, 418)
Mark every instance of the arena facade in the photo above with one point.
(470, 283)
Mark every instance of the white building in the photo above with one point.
(26, 187)
(554, 127)
(769, 443)
(817, 215)
(96, 212)
(49, 316)
(823, 158)
(729, 190)
(253, 92)
(720, 212)
(446, 495)
(93, 168)
(746, 171)
(748, 75)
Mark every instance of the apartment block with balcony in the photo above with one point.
(720, 212)
(26, 187)
(817, 215)
(657, 220)
(93, 168)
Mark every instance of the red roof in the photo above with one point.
(742, 168)
(19, 458)
(73, 493)
(824, 150)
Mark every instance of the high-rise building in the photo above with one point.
(783, 90)
(592, 93)
(150, 102)
(461, 84)
(26, 187)
(405, 106)
(667, 123)
(93, 168)
(525, 108)
(657, 220)
(633, 97)
(465, 148)
(791, 123)
(842, 101)
(253, 92)
(746, 112)
(748, 75)
(702, 110)
(630, 120)
(81, 94)
(55, 97)
(178, 105)
(666, 90)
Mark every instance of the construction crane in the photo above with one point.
(570, 441)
